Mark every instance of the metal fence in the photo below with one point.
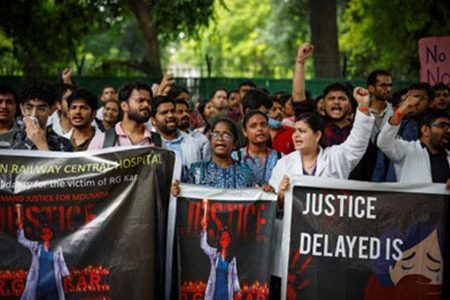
(200, 88)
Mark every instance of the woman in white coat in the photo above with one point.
(45, 276)
(311, 159)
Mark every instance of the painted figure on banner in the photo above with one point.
(419, 272)
(223, 281)
(45, 276)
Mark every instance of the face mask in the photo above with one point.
(274, 124)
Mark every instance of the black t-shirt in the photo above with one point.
(440, 170)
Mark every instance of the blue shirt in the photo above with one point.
(175, 145)
(238, 175)
(261, 170)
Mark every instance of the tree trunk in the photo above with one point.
(151, 61)
(322, 19)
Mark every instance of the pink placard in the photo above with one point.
(434, 54)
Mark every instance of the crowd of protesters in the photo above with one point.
(246, 137)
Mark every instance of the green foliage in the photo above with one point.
(174, 16)
(385, 34)
(247, 39)
(45, 34)
(252, 38)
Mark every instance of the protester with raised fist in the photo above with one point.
(313, 160)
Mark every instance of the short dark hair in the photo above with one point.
(275, 99)
(39, 89)
(440, 86)
(372, 78)
(235, 91)
(423, 86)
(177, 90)
(250, 114)
(182, 101)
(158, 100)
(107, 86)
(248, 83)
(337, 86)
(231, 126)
(282, 97)
(428, 118)
(201, 105)
(83, 94)
(6, 89)
(313, 119)
(126, 90)
(216, 90)
(254, 99)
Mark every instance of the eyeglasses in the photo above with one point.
(222, 135)
(442, 125)
(41, 109)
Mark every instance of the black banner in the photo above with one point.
(84, 225)
(366, 244)
(225, 253)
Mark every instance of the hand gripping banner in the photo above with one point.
(357, 240)
(225, 242)
(86, 225)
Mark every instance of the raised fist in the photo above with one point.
(305, 50)
(361, 96)
(408, 105)
(67, 75)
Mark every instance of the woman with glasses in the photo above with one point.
(257, 155)
(222, 170)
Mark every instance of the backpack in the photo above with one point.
(111, 138)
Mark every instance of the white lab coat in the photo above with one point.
(336, 161)
(411, 160)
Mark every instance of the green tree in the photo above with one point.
(49, 34)
(324, 35)
(385, 34)
(158, 22)
(246, 39)
(44, 34)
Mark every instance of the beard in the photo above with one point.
(138, 117)
(184, 124)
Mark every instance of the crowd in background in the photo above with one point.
(246, 137)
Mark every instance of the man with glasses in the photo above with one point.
(35, 101)
(424, 160)
(379, 84)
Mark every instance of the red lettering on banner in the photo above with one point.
(216, 207)
(195, 290)
(61, 216)
(245, 220)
